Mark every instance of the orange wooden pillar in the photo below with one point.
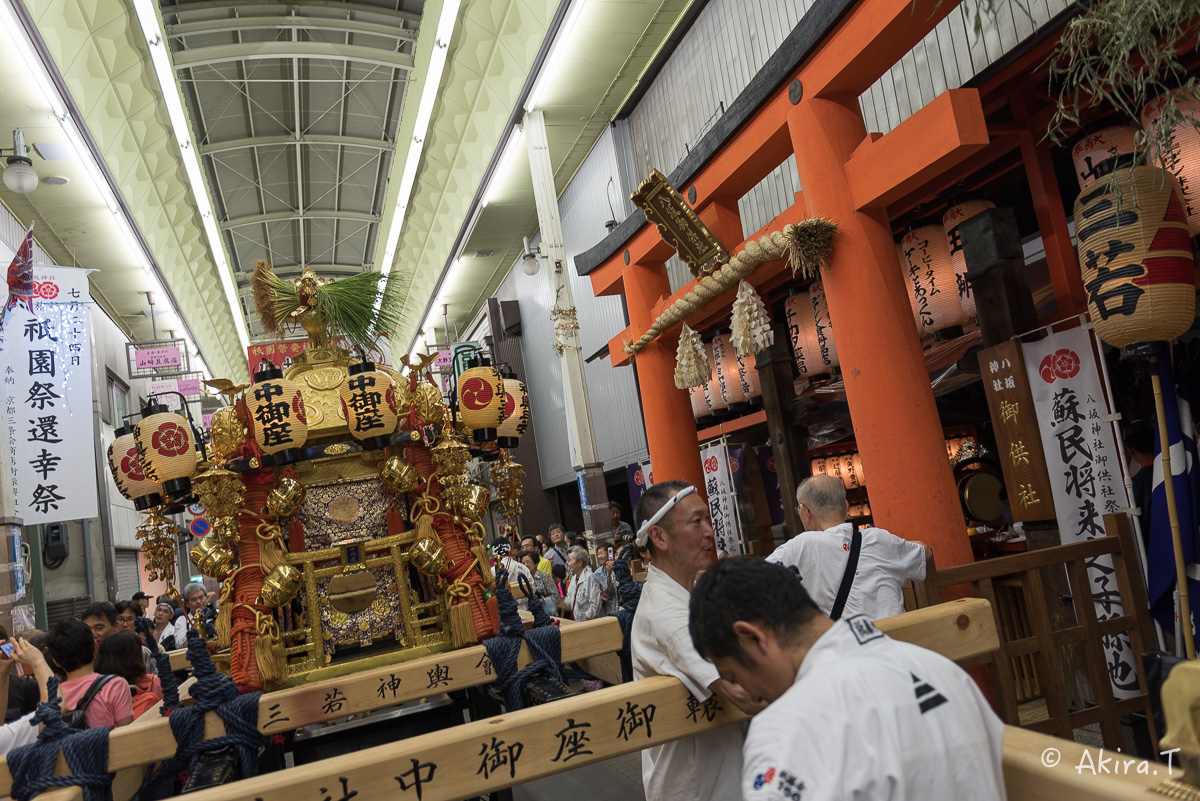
(666, 409)
(887, 385)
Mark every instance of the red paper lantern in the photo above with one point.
(951, 220)
(931, 278)
(1135, 253)
(1098, 154)
(126, 468)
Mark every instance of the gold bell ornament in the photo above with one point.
(450, 455)
(280, 585)
(213, 558)
(428, 556)
(286, 498)
(399, 475)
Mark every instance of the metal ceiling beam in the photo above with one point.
(233, 6)
(283, 216)
(289, 139)
(322, 269)
(280, 23)
(220, 54)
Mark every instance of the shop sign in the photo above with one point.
(157, 358)
(1017, 437)
(47, 374)
(720, 466)
(165, 392)
(1085, 469)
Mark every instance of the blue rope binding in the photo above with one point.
(85, 750)
(214, 692)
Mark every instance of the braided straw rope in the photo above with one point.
(805, 245)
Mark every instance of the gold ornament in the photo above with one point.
(286, 498)
(281, 585)
(470, 501)
(428, 556)
(399, 475)
(430, 406)
(228, 432)
(157, 534)
(213, 558)
(451, 454)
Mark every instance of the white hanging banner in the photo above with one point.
(722, 499)
(1085, 470)
(47, 358)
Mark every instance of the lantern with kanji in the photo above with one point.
(726, 369)
(166, 448)
(369, 403)
(951, 221)
(931, 279)
(276, 415)
(826, 349)
(797, 311)
(748, 375)
(912, 299)
(516, 413)
(1101, 152)
(1180, 153)
(126, 467)
(481, 400)
(699, 402)
(716, 402)
(1135, 253)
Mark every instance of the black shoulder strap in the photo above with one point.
(839, 603)
(93, 691)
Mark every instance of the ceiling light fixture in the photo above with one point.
(557, 48)
(513, 143)
(147, 14)
(429, 93)
(19, 175)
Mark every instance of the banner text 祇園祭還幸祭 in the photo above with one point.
(47, 358)
(1086, 474)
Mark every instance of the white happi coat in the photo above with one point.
(707, 765)
(868, 718)
(885, 564)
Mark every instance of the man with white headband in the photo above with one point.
(674, 526)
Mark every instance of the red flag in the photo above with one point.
(20, 276)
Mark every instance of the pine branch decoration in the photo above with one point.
(750, 325)
(691, 362)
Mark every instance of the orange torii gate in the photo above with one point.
(849, 176)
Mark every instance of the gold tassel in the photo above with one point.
(267, 649)
(481, 558)
(462, 629)
(224, 624)
(270, 552)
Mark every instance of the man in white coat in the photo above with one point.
(821, 553)
(853, 713)
(674, 526)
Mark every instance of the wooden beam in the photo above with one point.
(946, 132)
(366, 690)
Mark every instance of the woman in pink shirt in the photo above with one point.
(71, 647)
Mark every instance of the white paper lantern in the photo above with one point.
(715, 400)
(826, 348)
(912, 300)
(931, 278)
(951, 221)
(726, 370)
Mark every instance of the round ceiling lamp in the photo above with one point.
(19, 175)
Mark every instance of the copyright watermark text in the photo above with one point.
(1102, 764)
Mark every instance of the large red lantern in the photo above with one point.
(1099, 153)
(951, 221)
(277, 419)
(1135, 253)
(931, 278)
(369, 403)
(126, 468)
(1181, 156)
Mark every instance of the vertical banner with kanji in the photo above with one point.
(47, 363)
(636, 479)
(1085, 470)
(722, 499)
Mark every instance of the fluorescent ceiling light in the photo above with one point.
(152, 30)
(515, 141)
(557, 48)
(429, 93)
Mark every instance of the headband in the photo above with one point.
(643, 532)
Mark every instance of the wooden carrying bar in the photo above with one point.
(962, 630)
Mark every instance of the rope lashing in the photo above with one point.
(214, 692)
(503, 649)
(806, 245)
(630, 592)
(85, 750)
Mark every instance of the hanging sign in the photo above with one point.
(722, 499)
(47, 364)
(280, 354)
(157, 358)
(1017, 437)
(171, 401)
(1085, 470)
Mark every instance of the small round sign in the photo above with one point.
(195, 509)
(198, 527)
